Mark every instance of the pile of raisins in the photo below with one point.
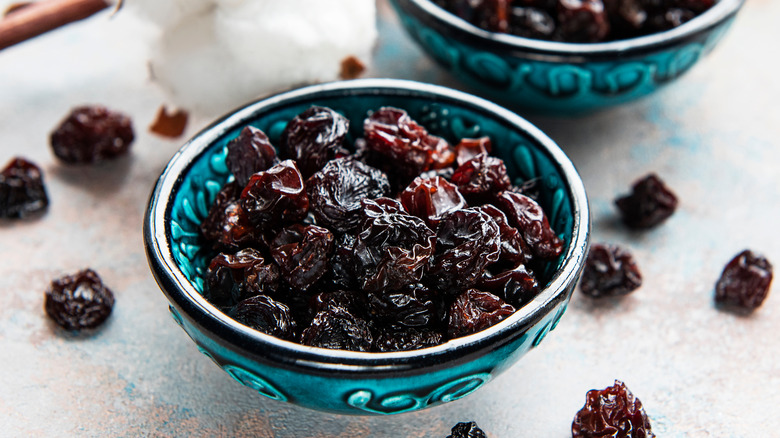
(396, 241)
(576, 21)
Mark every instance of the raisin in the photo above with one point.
(480, 178)
(404, 339)
(469, 148)
(413, 306)
(611, 412)
(90, 134)
(392, 247)
(353, 302)
(649, 203)
(404, 143)
(517, 286)
(529, 218)
(467, 241)
(336, 190)
(266, 315)
(22, 192)
(513, 247)
(609, 271)
(430, 199)
(234, 277)
(249, 153)
(169, 122)
(582, 21)
(226, 226)
(474, 311)
(314, 137)
(302, 253)
(79, 301)
(745, 281)
(342, 265)
(467, 430)
(338, 329)
(276, 196)
(531, 23)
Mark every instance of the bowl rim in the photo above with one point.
(493, 41)
(181, 292)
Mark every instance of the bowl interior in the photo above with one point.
(450, 119)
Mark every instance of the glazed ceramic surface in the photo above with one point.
(355, 382)
(562, 78)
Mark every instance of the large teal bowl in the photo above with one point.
(561, 78)
(344, 381)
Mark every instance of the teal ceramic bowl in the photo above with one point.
(561, 78)
(355, 382)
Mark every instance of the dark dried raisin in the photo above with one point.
(337, 329)
(481, 178)
(276, 196)
(469, 148)
(302, 253)
(314, 137)
(234, 277)
(609, 271)
(22, 192)
(467, 430)
(745, 281)
(611, 412)
(266, 315)
(650, 203)
(249, 153)
(430, 199)
(412, 306)
(90, 134)
(529, 218)
(474, 311)
(517, 286)
(79, 301)
(226, 226)
(404, 339)
(582, 21)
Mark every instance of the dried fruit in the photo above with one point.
(235, 277)
(745, 281)
(431, 198)
(302, 253)
(529, 218)
(611, 412)
(404, 339)
(90, 134)
(337, 329)
(351, 68)
(517, 286)
(266, 315)
(249, 153)
(582, 21)
(469, 148)
(169, 122)
(79, 301)
(226, 226)
(609, 271)
(276, 196)
(22, 192)
(650, 203)
(475, 311)
(314, 137)
(413, 306)
(467, 430)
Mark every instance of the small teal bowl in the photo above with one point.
(355, 382)
(558, 78)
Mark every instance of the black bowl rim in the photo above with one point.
(180, 292)
(577, 52)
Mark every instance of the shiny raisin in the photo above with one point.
(517, 286)
(249, 153)
(611, 412)
(513, 248)
(336, 190)
(744, 283)
(467, 430)
(404, 339)
(90, 134)
(392, 247)
(22, 192)
(226, 226)
(337, 329)
(469, 148)
(609, 271)
(474, 311)
(314, 137)
(352, 301)
(529, 218)
(467, 241)
(302, 253)
(276, 196)
(79, 301)
(413, 306)
(266, 315)
(430, 199)
(481, 178)
(531, 23)
(234, 277)
(582, 21)
(649, 203)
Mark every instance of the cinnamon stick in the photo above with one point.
(43, 16)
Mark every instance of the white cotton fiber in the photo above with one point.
(168, 13)
(238, 50)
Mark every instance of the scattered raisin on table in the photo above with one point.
(90, 134)
(22, 192)
(609, 271)
(745, 281)
(611, 412)
(376, 249)
(649, 203)
(79, 301)
(467, 430)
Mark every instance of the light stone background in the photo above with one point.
(700, 372)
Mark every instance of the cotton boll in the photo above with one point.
(296, 41)
(168, 13)
(197, 70)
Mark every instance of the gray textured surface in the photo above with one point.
(700, 372)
